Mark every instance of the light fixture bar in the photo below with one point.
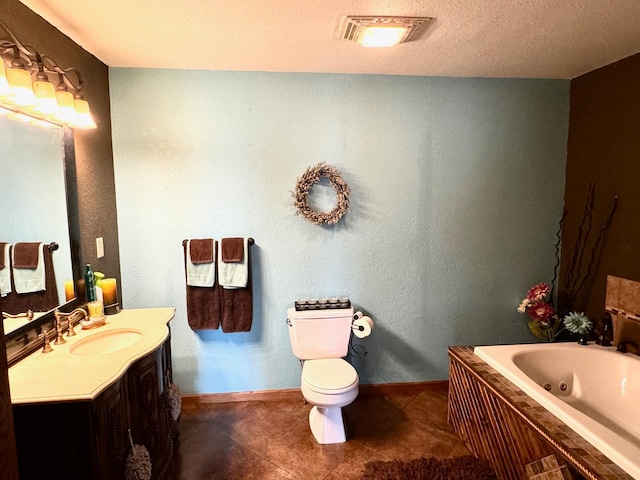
(26, 90)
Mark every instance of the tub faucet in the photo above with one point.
(623, 346)
(607, 330)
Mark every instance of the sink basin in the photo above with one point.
(102, 343)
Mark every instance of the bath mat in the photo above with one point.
(466, 467)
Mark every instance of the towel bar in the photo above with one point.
(250, 241)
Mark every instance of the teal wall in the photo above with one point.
(457, 188)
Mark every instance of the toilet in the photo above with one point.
(320, 338)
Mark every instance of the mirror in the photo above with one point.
(31, 190)
(33, 206)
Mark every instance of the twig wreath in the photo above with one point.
(304, 184)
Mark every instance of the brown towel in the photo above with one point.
(201, 250)
(25, 255)
(38, 301)
(3, 245)
(237, 305)
(232, 249)
(203, 303)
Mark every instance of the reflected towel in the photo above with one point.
(28, 280)
(235, 274)
(199, 273)
(27, 255)
(5, 270)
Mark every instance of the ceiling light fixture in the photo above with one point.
(383, 31)
(28, 93)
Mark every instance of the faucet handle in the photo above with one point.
(70, 331)
(59, 338)
(46, 348)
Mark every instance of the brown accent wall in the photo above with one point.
(94, 163)
(604, 149)
(94, 153)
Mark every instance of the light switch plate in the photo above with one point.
(99, 247)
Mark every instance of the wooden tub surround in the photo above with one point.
(502, 424)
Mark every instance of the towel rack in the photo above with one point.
(250, 241)
(53, 246)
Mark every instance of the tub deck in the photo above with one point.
(501, 423)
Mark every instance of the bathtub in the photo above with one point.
(594, 390)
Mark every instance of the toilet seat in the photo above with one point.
(329, 376)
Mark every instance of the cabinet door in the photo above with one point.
(149, 422)
(112, 420)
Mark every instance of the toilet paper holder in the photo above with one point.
(361, 325)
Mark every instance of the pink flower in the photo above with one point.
(540, 312)
(538, 292)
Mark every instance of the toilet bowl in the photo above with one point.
(328, 384)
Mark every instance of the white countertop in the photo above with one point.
(62, 376)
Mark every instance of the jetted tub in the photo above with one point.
(594, 390)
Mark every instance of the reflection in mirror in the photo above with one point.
(33, 205)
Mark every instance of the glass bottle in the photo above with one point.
(89, 284)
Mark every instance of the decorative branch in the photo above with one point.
(595, 252)
(576, 248)
(580, 248)
(557, 248)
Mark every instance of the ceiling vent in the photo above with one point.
(354, 28)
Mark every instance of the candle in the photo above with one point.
(109, 291)
(69, 290)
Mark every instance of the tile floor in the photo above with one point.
(266, 440)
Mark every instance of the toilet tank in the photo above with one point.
(319, 333)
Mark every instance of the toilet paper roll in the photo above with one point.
(358, 315)
(362, 327)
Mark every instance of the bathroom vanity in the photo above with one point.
(74, 407)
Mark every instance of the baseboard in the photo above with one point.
(194, 402)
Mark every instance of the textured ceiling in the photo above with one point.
(470, 38)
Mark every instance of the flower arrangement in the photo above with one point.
(543, 319)
(578, 323)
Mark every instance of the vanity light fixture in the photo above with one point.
(27, 91)
(383, 31)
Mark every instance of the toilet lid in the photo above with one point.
(329, 374)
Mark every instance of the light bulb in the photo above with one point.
(5, 90)
(381, 36)
(66, 111)
(19, 81)
(45, 94)
(83, 118)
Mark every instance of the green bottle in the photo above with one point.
(89, 284)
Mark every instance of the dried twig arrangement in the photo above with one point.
(304, 184)
(579, 271)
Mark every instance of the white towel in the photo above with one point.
(30, 280)
(234, 275)
(5, 273)
(201, 274)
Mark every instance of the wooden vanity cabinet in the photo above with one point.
(89, 439)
